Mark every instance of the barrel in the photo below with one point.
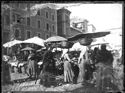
(66, 44)
(85, 41)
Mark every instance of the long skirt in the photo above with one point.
(81, 77)
(105, 77)
(68, 72)
(119, 75)
(31, 68)
(6, 78)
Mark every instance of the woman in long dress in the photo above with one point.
(81, 64)
(68, 72)
(31, 70)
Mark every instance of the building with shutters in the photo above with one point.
(91, 28)
(63, 23)
(46, 23)
(43, 24)
(67, 28)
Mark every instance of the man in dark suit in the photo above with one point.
(104, 56)
(48, 61)
(104, 64)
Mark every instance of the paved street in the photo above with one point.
(31, 86)
(49, 47)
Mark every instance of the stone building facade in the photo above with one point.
(46, 23)
(74, 31)
(63, 23)
(43, 24)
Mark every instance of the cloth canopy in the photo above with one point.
(39, 50)
(27, 48)
(12, 43)
(99, 41)
(35, 40)
(88, 35)
(55, 39)
(77, 47)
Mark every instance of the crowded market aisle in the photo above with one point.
(33, 85)
(63, 67)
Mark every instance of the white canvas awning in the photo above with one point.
(35, 40)
(12, 43)
(55, 39)
(77, 47)
(99, 41)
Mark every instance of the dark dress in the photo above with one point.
(105, 57)
(5, 72)
(68, 72)
(81, 77)
(48, 62)
(104, 68)
(48, 69)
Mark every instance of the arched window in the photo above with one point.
(17, 5)
(7, 20)
(47, 36)
(47, 27)
(39, 35)
(38, 12)
(28, 34)
(17, 33)
(14, 17)
(53, 17)
(28, 21)
(47, 15)
(53, 28)
(38, 23)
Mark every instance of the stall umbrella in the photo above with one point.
(87, 38)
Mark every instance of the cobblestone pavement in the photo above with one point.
(32, 86)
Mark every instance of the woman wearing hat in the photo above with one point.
(68, 72)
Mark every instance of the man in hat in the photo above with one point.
(104, 59)
(104, 56)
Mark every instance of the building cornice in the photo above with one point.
(76, 29)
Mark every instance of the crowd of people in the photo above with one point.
(76, 66)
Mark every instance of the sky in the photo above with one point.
(102, 16)
(105, 17)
